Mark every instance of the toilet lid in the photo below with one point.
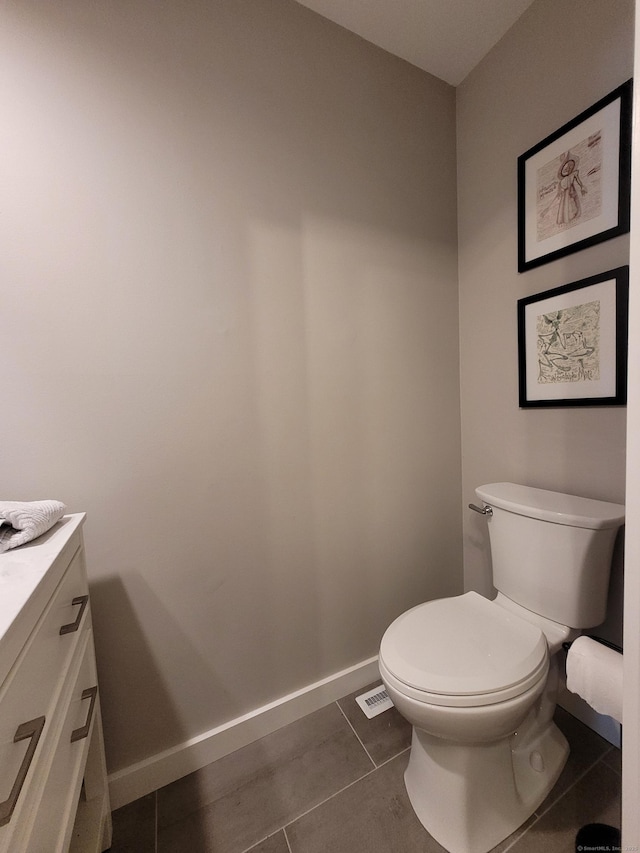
(462, 646)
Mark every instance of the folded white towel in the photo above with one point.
(28, 519)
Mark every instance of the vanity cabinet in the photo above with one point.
(53, 782)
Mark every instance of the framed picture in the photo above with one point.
(574, 186)
(572, 343)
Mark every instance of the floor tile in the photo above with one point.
(134, 827)
(383, 736)
(242, 798)
(276, 843)
(593, 799)
(314, 779)
(372, 814)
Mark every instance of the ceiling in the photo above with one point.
(447, 38)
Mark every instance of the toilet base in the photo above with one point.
(470, 797)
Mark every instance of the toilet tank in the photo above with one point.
(551, 553)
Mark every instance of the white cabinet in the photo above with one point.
(53, 785)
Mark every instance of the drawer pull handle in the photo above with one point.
(82, 600)
(33, 730)
(79, 734)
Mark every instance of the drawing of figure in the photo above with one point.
(569, 206)
(569, 188)
(568, 344)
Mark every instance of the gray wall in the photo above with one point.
(557, 60)
(228, 265)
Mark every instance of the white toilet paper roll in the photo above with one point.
(594, 672)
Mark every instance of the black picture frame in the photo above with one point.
(574, 186)
(572, 343)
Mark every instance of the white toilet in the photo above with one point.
(477, 679)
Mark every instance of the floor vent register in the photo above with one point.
(375, 701)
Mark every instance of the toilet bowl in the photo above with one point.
(477, 683)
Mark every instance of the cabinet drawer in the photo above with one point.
(59, 801)
(30, 691)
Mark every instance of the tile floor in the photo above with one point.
(333, 783)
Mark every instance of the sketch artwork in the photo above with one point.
(569, 344)
(569, 188)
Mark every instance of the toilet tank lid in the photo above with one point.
(555, 507)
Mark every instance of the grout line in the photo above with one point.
(611, 750)
(286, 838)
(331, 796)
(326, 800)
(346, 787)
(356, 734)
(387, 760)
(266, 838)
(519, 838)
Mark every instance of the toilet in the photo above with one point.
(477, 679)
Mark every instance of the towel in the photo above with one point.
(27, 520)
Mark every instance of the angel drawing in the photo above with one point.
(569, 206)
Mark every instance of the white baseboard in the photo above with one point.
(142, 778)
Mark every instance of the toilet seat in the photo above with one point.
(463, 651)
